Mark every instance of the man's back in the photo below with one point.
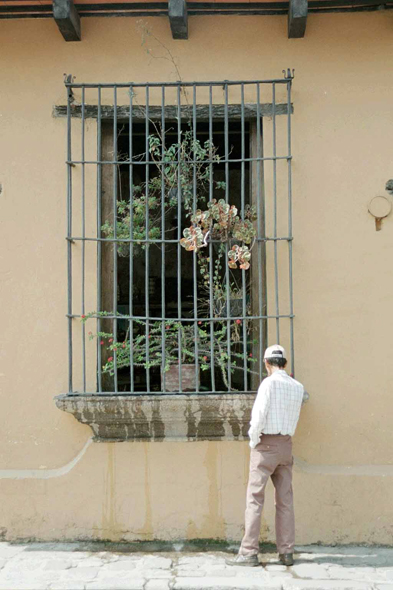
(286, 396)
(277, 406)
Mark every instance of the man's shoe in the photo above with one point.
(286, 558)
(246, 560)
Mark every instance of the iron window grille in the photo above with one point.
(145, 162)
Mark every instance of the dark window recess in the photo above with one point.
(184, 252)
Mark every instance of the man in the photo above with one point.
(273, 422)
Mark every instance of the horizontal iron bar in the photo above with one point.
(182, 320)
(160, 241)
(171, 111)
(167, 162)
(178, 83)
(155, 393)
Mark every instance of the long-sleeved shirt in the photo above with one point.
(277, 406)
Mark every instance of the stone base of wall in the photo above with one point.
(162, 417)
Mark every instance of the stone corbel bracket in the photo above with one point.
(167, 417)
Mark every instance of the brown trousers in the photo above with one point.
(272, 457)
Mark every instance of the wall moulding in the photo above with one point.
(161, 418)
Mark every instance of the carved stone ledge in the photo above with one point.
(162, 417)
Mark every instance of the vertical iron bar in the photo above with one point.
(260, 230)
(131, 263)
(179, 212)
(99, 243)
(289, 84)
(69, 243)
(195, 268)
(147, 245)
(242, 197)
(275, 216)
(83, 241)
(212, 359)
(115, 170)
(163, 305)
(226, 136)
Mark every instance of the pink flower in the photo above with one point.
(250, 354)
(205, 358)
(238, 321)
(102, 342)
(83, 317)
(110, 339)
(110, 359)
(124, 345)
(200, 323)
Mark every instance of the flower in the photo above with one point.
(238, 321)
(205, 358)
(124, 345)
(110, 339)
(200, 323)
(102, 342)
(83, 317)
(250, 355)
(110, 359)
(115, 349)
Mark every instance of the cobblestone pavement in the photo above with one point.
(69, 566)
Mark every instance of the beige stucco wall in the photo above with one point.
(53, 483)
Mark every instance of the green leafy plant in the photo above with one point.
(159, 346)
(184, 168)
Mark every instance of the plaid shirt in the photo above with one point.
(277, 406)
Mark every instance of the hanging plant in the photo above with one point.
(239, 255)
(221, 222)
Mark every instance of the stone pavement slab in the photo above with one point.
(325, 585)
(213, 583)
(82, 566)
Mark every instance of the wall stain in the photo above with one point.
(157, 423)
(192, 530)
(147, 529)
(109, 521)
(209, 416)
(190, 418)
(214, 526)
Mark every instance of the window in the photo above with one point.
(179, 235)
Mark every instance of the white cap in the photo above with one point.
(275, 352)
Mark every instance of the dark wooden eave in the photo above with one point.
(67, 19)
(297, 18)
(178, 18)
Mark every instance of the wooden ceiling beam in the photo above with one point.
(67, 19)
(297, 18)
(178, 18)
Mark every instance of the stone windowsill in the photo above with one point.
(165, 417)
